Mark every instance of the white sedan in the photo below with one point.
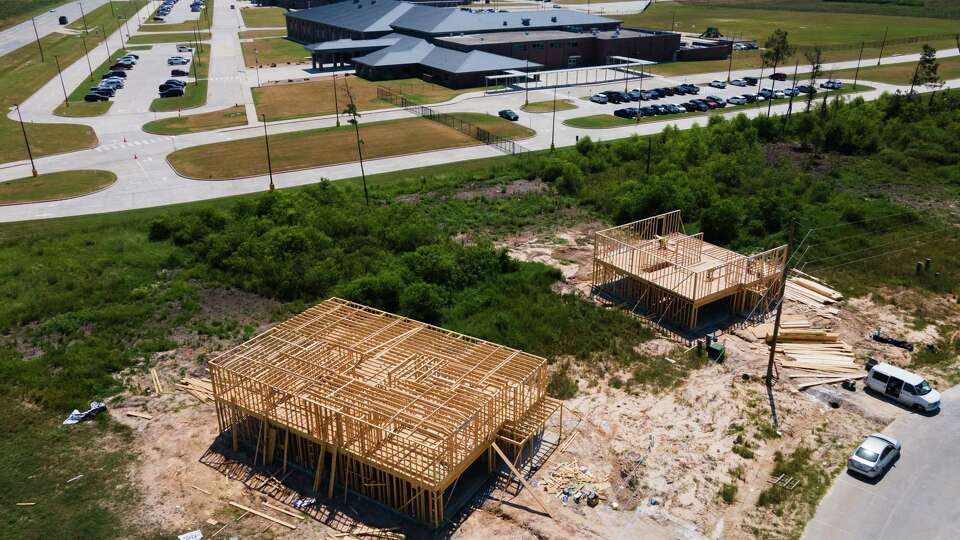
(874, 455)
(718, 84)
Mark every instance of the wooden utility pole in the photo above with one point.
(39, 46)
(882, 44)
(266, 142)
(776, 323)
(856, 74)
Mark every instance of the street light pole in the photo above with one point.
(336, 105)
(266, 142)
(66, 101)
(256, 65)
(26, 141)
(86, 54)
(83, 16)
(39, 46)
(553, 125)
(856, 74)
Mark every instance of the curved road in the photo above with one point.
(917, 498)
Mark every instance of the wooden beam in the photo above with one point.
(519, 476)
(261, 514)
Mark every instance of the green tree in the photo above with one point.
(721, 222)
(927, 71)
(777, 48)
(814, 56)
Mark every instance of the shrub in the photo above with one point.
(728, 492)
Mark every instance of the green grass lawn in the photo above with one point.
(273, 51)
(167, 38)
(598, 121)
(496, 125)
(107, 17)
(58, 185)
(900, 74)
(547, 106)
(76, 106)
(263, 17)
(14, 12)
(229, 117)
(314, 148)
(201, 23)
(139, 47)
(195, 94)
(905, 8)
(257, 34)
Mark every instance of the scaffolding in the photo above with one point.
(386, 406)
(654, 264)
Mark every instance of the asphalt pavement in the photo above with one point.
(917, 498)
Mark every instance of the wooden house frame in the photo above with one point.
(654, 264)
(389, 407)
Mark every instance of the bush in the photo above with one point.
(561, 385)
(728, 492)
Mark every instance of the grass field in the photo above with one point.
(547, 106)
(194, 95)
(901, 73)
(58, 185)
(315, 98)
(14, 12)
(257, 34)
(314, 148)
(906, 8)
(107, 17)
(496, 125)
(263, 17)
(273, 51)
(201, 23)
(229, 117)
(185, 37)
(77, 106)
(598, 121)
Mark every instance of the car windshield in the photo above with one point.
(923, 388)
(867, 455)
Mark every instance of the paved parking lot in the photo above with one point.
(180, 13)
(917, 498)
(143, 80)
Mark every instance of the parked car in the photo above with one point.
(738, 82)
(779, 94)
(178, 61)
(648, 111)
(718, 84)
(667, 91)
(109, 92)
(121, 65)
(806, 89)
(599, 98)
(778, 76)
(689, 106)
(751, 81)
(719, 100)
(158, 18)
(505, 114)
(831, 85)
(115, 73)
(634, 95)
(691, 88)
(737, 100)
(94, 96)
(791, 92)
(614, 96)
(184, 48)
(681, 90)
(116, 84)
(874, 455)
(175, 82)
(171, 92)
(675, 109)
(626, 112)
(62, 20)
(904, 386)
(701, 105)
(647, 95)
(662, 109)
(766, 93)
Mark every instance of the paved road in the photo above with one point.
(17, 36)
(918, 498)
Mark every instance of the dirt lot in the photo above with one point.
(663, 458)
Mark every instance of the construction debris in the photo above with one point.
(201, 389)
(96, 407)
(880, 338)
(157, 385)
(136, 414)
(809, 292)
(572, 481)
(784, 481)
(261, 514)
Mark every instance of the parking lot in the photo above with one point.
(142, 81)
(180, 13)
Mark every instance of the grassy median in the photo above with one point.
(195, 93)
(496, 125)
(52, 186)
(314, 148)
(547, 106)
(178, 125)
(273, 51)
(900, 74)
(263, 17)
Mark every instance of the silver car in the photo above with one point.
(874, 455)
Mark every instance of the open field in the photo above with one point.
(201, 23)
(314, 98)
(314, 148)
(107, 18)
(77, 106)
(258, 34)
(12, 13)
(547, 106)
(58, 185)
(273, 51)
(195, 93)
(263, 17)
(167, 38)
(900, 74)
(905, 8)
(496, 125)
(230, 117)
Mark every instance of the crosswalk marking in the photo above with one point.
(131, 144)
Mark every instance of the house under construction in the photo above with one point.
(391, 408)
(654, 265)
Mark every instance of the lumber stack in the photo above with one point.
(810, 293)
(815, 356)
(201, 389)
(570, 478)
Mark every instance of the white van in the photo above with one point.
(906, 387)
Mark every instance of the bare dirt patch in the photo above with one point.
(481, 191)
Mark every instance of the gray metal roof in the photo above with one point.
(410, 50)
(359, 16)
(431, 20)
(353, 44)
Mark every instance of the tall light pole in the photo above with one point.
(336, 105)
(553, 124)
(256, 65)
(266, 142)
(26, 141)
(882, 44)
(83, 16)
(86, 53)
(66, 101)
(856, 74)
(39, 46)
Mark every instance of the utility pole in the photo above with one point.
(776, 323)
(730, 64)
(796, 71)
(882, 44)
(26, 141)
(256, 65)
(105, 45)
(266, 142)
(336, 104)
(66, 101)
(39, 46)
(856, 74)
(553, 125)
(86, 54)
(526, 82)
(113, 8)
(773, 86)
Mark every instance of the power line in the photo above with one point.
(877, 255)
(898, 241)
